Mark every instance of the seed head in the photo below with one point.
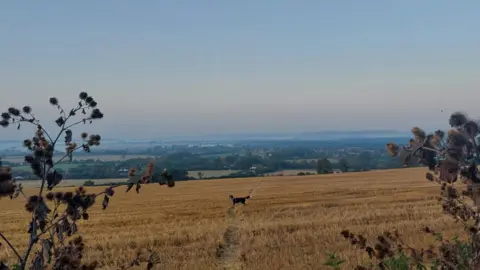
(419, 134)
(83, 95)
(80, 190)
(50, 196)
(457, 119)
(53, 101)
(429, 177)
(6, 116)
(456, 139)
(67, 195)
(96, 114)
(392, 148)
(27, 109)
(58, 196)
(27, 143)
(14, 111)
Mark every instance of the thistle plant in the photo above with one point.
(53, 241)
(148, 177)
(448, 156)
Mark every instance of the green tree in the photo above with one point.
(324, 166)
(200, 175)
(343, 165)
(365, 160)
(88, 183)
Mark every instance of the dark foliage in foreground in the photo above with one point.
(54, 242)
(450, 157)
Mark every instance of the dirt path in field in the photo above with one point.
(228, 252)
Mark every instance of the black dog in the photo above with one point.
(242, 200)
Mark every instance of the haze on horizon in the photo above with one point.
(163, 68)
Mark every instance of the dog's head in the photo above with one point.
(230, 196)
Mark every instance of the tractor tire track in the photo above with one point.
(228, 252)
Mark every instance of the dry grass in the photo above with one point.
(290, 223)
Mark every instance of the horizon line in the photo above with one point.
(261, 134)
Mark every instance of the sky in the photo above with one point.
(166, 68)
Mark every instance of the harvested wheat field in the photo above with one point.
(291, 222)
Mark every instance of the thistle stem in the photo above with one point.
(431, 149)
(11, 246)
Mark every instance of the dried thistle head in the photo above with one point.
(96, 114)
(94, 139)
(456, 139)
(4, 123)
(387, 244)
(419, 134)
(70, 256)
(434, 141)
(53, 101)
(393, 149)
(7, 185)
(83, 95)
(457, 119)
(14, 111)
(148, 173)
(144, 256)
(131, 172)
(149, 170)
(448, 170)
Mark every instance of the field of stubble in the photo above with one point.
(290, 223)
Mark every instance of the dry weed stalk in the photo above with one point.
(147, 256)
(54, 214)
(448, 159)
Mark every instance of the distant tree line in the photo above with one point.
(263, 160)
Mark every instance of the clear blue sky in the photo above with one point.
(162, 68)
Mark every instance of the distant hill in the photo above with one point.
(320, 135)
(13, 147)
